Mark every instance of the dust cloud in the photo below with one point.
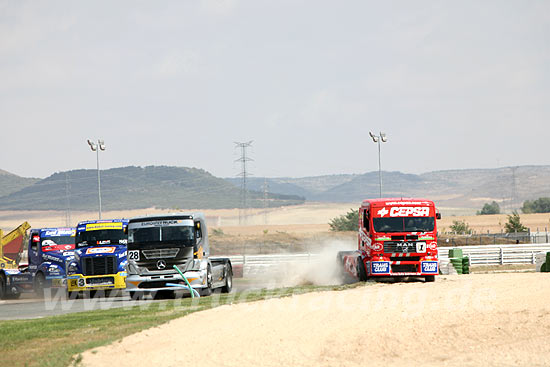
(320, 268)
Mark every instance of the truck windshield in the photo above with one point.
(404, 224)
(57, 243)
(162, 234)
(101, 237)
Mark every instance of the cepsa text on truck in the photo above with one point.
(100, 256)
(396, 237)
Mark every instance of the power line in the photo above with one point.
(266, 193)
(513, 198)
(68, 199)
(243, 174)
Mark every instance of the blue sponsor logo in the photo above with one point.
(379, 267)
(429, 267)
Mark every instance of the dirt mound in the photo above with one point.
(488, 319)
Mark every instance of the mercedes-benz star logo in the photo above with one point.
(161, 264)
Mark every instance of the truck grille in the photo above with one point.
(165, 253)
(405, 258)
(399, 247)
(409, 268)
(100, 265)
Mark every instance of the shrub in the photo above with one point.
(460, 226)
(345, 222)
(541, 205)
(514, 224)
(489, 208)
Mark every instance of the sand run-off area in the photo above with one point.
(467, 320)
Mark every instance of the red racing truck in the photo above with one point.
(397, 237)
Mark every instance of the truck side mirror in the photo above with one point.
(437, 215)
(35, 240)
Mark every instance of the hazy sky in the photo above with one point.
(454, 84)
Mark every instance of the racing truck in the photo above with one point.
(49, 252)
(158, 243)
(397, 237)
(99, 257)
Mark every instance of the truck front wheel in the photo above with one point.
(3, 291)
(208, 290)
(361, 272)
(429, 278)
(136, 296)
(39, 284)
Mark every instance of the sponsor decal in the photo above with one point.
(52, 246)
(102, 226)
(377, 246)
(432, 245)
(58, 232)
(426, 238)
(385, 238)
(407, 203)
(51, 258)
(100, 250)
(382, 212)
(380, 267)
(429, 267)
(405, 211)
(163, 223)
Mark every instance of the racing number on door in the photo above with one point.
(133, 255)
(421, 247)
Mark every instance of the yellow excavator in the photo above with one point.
(11, 246)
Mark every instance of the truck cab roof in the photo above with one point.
(156, 217)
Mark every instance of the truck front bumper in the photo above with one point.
(157, 282)
(79, 282)
(402, 268)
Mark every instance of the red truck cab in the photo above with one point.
(397, 237)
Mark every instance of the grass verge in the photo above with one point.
(58, 340)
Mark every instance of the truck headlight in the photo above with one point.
(132, 268)
(72, 268)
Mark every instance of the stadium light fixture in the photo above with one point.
(380, 138)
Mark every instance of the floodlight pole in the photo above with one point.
(381, 138)
(96, 147)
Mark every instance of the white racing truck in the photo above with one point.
(158, 243)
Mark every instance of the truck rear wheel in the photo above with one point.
(429, 278)
(228, 280)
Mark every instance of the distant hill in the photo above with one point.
(134, 188)
(184, 188)
(11, 183)
(307, 187)
(468, 188)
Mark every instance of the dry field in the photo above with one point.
(300, 219)
(473, 320)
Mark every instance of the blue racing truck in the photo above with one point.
(49, 250)
(99, 258)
